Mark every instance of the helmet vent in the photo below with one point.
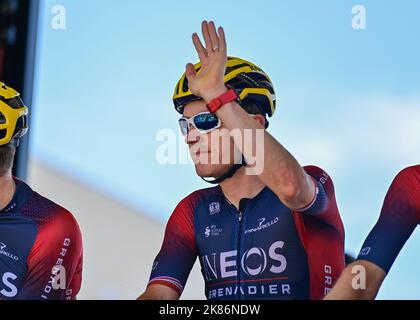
(2, 118)
(14, 103)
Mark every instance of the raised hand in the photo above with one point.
(208, 82)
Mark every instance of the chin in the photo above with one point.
(204, 170)
(209, 171)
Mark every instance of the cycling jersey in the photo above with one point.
(399, 217)
(40, 243)
(262, 251)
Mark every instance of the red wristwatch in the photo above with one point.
(221, 100)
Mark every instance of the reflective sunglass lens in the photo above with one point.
(206, 121)
(183, 125)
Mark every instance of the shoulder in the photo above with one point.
(190, 202)
(408, 177)
(58, 235)
(64, 222)
(184, 212)
(403, 194)
(51, 218)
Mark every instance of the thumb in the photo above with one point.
(190, 71)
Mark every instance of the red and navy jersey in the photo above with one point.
(399, 216)
(40, 249)
(262, 251)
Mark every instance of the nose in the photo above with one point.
(193, 136)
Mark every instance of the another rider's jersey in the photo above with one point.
(40, 249)
(399, 217)
(262, 251)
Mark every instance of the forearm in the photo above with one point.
(343, 289)
(361, 280)
(278, 169)
(159, 292)
(148, 296)
(273, 164)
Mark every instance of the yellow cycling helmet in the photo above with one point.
(13, 115)
(248, 80)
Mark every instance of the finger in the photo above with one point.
(206, 36)
(222, 40)
(213, 36)
(190, 72)
(202, 53)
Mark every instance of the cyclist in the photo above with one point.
(274, 234)
(40, 242)
(399, 217)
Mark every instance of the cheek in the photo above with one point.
(222, 147)
(226, 149)
(219, 142)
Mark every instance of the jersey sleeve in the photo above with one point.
(55, 261)
(397, 221)
(76, 280)
(324, 205)
(321, 230)
(178, 253)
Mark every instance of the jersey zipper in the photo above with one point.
(238, 261)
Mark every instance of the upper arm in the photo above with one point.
(55, 261)
(178, 253)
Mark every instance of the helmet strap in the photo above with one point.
(15, 142)
(229, 174)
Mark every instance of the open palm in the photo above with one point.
(208, 82)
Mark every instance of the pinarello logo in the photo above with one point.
(262, 224)
(7, 254)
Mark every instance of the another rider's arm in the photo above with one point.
(159, 292)
(177, 255)
(58, 244)
(343, 289)
(396, 223)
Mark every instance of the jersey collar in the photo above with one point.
(22, 193)
(244, 201)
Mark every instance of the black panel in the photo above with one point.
(18, 29)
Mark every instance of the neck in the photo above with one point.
(7, 190)
(241, 186)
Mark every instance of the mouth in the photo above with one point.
(198, 153)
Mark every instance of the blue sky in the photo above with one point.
(348, 101)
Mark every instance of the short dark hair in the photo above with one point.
(7, 155)
(252, 107)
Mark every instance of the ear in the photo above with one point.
(260, 119)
